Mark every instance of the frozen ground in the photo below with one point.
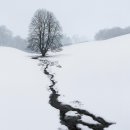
(96, 73)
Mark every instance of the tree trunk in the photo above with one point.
(43, 52)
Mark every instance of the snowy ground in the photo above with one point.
(97, 74)
(23, 94)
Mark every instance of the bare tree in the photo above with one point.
(45, 32)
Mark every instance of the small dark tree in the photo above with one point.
(45, 32)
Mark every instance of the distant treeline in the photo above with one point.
(110, 33)
(75, 39)
(7, 39)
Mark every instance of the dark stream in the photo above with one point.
(71, 122)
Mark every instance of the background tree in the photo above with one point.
(111, 33)
(9, 40)
(45, 32)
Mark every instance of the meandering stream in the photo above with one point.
(70, 121)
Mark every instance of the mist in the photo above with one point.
(81, 17)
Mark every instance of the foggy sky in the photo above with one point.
(82, 17)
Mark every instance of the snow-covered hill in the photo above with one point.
(95, 73)
(98, 75)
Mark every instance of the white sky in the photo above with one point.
(82, 17)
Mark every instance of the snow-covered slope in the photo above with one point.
(98, 75)
(95, 73)
(23, 94)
